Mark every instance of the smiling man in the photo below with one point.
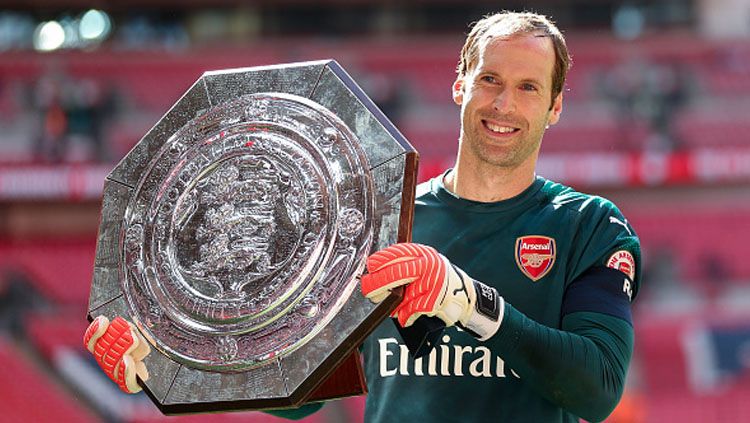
(531, 278)
(507, 96)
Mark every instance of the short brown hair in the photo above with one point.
(506, 24)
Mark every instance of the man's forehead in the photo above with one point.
(537, 44)
(535, 38)
(534, 60)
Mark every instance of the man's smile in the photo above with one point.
(499, 129)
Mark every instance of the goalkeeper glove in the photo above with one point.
(433, 287)
(119, 349)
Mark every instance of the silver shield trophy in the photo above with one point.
(233, 235)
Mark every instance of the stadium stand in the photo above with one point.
(30, 395)
(677, 94)
(61, 271)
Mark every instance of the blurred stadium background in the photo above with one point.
(656, 117)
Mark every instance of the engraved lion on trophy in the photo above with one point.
(246, 221)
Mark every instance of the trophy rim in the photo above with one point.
(324, 75)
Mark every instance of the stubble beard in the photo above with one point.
(481, 146)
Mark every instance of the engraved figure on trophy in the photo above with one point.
(238, 226)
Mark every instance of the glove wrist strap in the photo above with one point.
(485, 318)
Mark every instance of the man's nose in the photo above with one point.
(504, 101)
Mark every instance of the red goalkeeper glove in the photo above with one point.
(119, 349)
(433, 287)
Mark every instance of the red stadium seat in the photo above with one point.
(61, 271)
(50, 331)
(661, 354)
(29, 395)
(688, 233)
(700, 129)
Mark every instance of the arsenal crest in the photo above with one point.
(623, 261)
(535, 255)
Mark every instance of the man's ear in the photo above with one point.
(458, 91)
(556, 109)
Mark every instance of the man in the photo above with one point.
(532, 279)
(547, 334)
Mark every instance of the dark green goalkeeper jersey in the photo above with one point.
(567, 265)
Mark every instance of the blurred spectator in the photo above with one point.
(668, 88)
(72, 114)
(715, 274)
(17, 296)
(647, 92)
(48, 103)
(389, 92)
(661, 267)
(667, 291)
(90, 105)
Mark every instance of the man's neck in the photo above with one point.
(477, 184)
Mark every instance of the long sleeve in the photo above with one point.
(580, 368)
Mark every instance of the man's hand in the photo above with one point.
(434, 287)
(119, 349)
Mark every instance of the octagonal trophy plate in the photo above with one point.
(233, 235)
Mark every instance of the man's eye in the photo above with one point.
(528, 87)
(489, 78)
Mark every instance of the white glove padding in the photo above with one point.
(119, 348)
(433, 287)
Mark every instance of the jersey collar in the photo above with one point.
(441, 192)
